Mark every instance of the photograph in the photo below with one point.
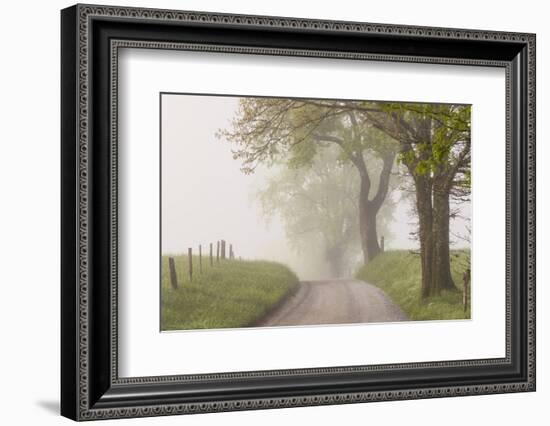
(279, 211)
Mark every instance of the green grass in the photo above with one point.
(233, 293)
(398, 274)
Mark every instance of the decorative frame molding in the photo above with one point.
(91, 37)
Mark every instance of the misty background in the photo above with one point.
(205, 197)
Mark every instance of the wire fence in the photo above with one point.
(223, 252)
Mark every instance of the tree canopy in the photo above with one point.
(430, 142)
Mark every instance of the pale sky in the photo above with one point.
(205, 196)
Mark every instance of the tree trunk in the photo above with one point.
(441, 279)
(335, 260)
(367, 224)
(368, 209)
(425, 233)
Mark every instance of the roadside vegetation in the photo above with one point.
(398, 273)
(232, 293)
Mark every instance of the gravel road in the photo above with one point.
(335, 302)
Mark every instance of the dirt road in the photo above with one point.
(335, 302)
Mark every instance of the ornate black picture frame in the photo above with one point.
(90, 38)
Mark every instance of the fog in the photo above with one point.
(205, 197)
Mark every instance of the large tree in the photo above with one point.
(435, 147)
(268, 130)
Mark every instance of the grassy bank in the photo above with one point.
(233, 293)
(398, 274)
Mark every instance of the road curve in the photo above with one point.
(334, 302)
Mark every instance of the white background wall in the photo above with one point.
(29, 212)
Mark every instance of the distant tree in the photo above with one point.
(318, 206)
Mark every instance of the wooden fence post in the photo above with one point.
(190, 256)
(382, 243)
(223, 249)
(217, 251)
(211, 257)
(231, 251)
(173, 276)
(200, 258)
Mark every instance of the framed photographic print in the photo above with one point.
(263, 212)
